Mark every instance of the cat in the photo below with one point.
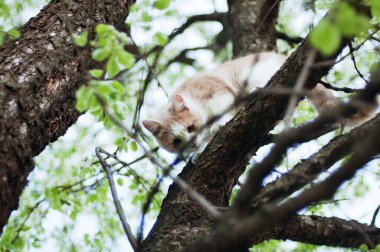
(210, 93)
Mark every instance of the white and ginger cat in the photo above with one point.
(210, 93)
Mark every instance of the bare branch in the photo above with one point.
(299, 86)
(119, 208)
(343, 89)
(373, 221)
(354, 61)
(307, 170)
(287, 38)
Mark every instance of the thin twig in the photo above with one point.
(299, 86)
(146, 207)
(375, 215)
(343, 89)
(355, 65)
(119, 208)
(31, 210)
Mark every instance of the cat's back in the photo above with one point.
(204, 85)
(259, 66)
(229, 76)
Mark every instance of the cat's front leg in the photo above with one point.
(198, 152)
(220, 123)
(202, 140)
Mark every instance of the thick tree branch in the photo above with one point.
(253, 25)
(322, 231)
(39, 75)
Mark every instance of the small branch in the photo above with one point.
(307, 170)
(333, 201)
(343, 89)
(146, 206)
(119, 209)
(287, 38)
(124, 164)
(299, 86)
(197, 197)
(375, 215)
(374, 38)
(216, 16)
(31, 210)
(354, 61)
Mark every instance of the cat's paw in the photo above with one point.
(220, 123)
(215, 128)
(195, 157)
(198, 152)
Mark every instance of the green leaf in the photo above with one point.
(145, 17)
(349, 21)
(161, 4)
(377, 248)
(326, 37)
(126, 59)
(14, 34)
(133, 145)
(54, 197)
(112, 66)
(363, 247)
(92, 198)
(119, 88)
(101, 28)
(160, 38)
(104, 90)
(81, 40)
(85, 99)
(375, 8)
(100, 54)
(120, 181)
(97, 73)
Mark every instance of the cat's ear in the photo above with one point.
(153, 126)
(179, 104)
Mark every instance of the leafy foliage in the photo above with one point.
(327, 36)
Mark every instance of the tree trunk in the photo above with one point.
(40, 73)
(253, 25)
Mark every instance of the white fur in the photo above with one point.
(219, 103)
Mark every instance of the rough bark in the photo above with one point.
(323, 231)
(253, 25)
(181, 220)
(39, 74)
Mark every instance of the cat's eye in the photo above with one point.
(176, 141)
(190, 128)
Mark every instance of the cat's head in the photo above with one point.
(175, 125)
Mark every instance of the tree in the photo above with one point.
(38, 106)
